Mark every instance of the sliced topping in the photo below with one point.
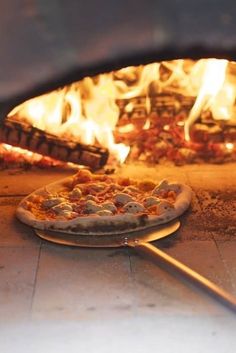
(61, 207)
(76, 193)
(92, 207)
(122, 198)
(52, 201)
(109, 206)
(104, 213)
(150, 201)
(133, 207)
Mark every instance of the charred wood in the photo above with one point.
(25, 136)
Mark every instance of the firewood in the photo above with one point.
(25, 136)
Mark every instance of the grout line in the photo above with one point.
(225, 265)
(35, 278)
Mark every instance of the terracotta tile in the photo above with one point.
(17, 276)
(77, 283)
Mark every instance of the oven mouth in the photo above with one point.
(180, 111)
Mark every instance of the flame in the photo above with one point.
(229, 146)
(214, 93)
(88, 112)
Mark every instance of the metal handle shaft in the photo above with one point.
(157, 254)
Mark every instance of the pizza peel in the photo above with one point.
(140, 241)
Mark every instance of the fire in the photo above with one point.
(214, 94)
(88, 112)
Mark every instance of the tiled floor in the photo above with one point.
(64, 299)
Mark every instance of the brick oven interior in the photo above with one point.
(60, 298)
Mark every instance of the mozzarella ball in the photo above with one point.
(52, 201)
(76, 193)
(150, 201)
(109, 206)
(104, 213)
(92, 207)
(133, 207)
(61, 207)
(123, 198)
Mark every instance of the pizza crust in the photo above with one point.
(99, 225)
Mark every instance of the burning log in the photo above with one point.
(25, 136)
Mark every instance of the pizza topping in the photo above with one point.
(61, 207)
(123, 198)
(151, 200)
(146, 185)
(164, 187)
(83, 176)
(76, 193)
(104, 213)
(109, 206)
(67, 214)
(97, 187)
(115, 187)
(130, 189)
(124, 181)
(92, 207)
(90, 197)
(52, 201)
(134, 207)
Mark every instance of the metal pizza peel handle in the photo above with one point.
(158, 255)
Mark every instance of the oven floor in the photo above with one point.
(57, 299)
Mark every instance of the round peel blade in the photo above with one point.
(118, 240)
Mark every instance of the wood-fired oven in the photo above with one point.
(139, 88)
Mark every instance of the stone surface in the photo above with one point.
(22, 182)
(78, 284)
(13, 232)
(18, 268)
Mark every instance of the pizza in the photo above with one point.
(99, 204)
